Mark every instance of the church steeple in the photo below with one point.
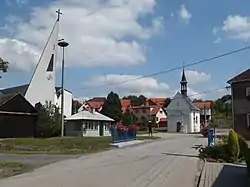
(183, 83)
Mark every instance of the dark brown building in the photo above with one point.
(18, 118)
(240, 90)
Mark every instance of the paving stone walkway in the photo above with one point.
(222, 174)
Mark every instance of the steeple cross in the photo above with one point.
(58, 14)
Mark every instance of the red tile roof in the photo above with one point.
(160, 101)
(155, 110)
(241, 77)
(95, 104)
(203, 104)
(125, 102)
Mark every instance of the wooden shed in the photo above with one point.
(18, 118)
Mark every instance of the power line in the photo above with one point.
(169, 70)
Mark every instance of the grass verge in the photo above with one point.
(8, 169)
(147, 138)
(79, 145)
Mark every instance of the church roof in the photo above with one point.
(183, 78)
(191, 104)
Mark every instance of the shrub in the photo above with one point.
(243, 145)
(217, 152)
(247, 159)
(233, 148)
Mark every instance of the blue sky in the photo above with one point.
(114, 41)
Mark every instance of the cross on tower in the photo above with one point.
(58, 14)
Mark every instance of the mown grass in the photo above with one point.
(79, 145)
(8, 169)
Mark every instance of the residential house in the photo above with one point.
(126, 104)
(183, 115)
(18, 117)
(158, 112)
(95, 103)
(88, 123)
(240, 91)
(156, 101)
(205, 110)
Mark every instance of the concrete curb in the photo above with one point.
(201, 173)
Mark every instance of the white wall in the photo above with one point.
(160, 114)
(194, 122)
(67, 103)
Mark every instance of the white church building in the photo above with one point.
(41, 87)
(183, 115)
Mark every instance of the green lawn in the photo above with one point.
(8, 169)
(79, 145)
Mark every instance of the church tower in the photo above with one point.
(183, 84)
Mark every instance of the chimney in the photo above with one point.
(93, 111)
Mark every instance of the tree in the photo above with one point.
(197, 100)
(127, 117)
(3, 65)
(49, 120)
(112, 107)
(75, 106)
(136, 101)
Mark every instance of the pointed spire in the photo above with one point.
(183, 83)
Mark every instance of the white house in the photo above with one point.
(88, 123)
(160, 115)
(67, 101)
(183, 115)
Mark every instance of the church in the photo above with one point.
(183, 115)
(41, 87)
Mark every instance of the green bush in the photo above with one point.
(243, 145)
(247, 159)
(217, 152)
(233, 148)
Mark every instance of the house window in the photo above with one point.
(160, 111)
(248, 121)
(248, 91)
(196, 119)
(156, 119)
(144, 111)
(136, 111)
(90, 125)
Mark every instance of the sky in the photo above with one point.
(117, 40)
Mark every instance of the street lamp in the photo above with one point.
(62, 44)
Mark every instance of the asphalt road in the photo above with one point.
(169, 162)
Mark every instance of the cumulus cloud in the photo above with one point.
(196, 77)
(100, 33)
(184, 14)
(237, 26)
(148, 86)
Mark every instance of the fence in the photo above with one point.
(118, 136)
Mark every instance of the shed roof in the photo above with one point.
(87, 115)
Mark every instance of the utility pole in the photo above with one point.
(62, 44)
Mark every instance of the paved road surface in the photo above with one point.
(159, 164)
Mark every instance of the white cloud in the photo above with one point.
(16, 2)
(100, 33)
(147, 86)
(237, 27)
(184, 14)
(195, 77)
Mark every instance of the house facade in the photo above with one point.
(95, 103)
(205, 110)
(183, 115)
(88, 123)
(141, 114)
(160, 115)
(240, 91)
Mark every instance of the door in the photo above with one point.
(101, 129)
(178, 126)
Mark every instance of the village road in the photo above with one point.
(168, 162)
